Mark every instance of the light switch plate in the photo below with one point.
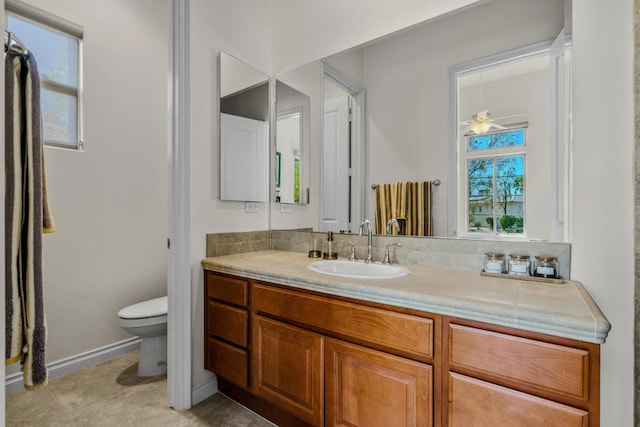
(285, 208)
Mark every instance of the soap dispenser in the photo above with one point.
(329, 247)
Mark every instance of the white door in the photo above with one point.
(335, 166)
(244, 158)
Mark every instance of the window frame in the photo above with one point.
(54, 24)
(559, 142)
(495, 154)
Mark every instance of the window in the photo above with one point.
(58, 57)
(495, 182)
(511, 134)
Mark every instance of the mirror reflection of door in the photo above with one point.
(336, 160)
(289, 137)
(244, 131)
(243, 158)
(293, 112)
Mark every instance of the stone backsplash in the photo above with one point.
(458, 254)
(219, 244)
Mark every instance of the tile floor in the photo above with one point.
(111, 394)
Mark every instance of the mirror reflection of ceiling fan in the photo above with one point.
(480, 123)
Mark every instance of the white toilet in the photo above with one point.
(148, 320)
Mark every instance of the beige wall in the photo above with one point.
(110, 201)
(305, 31)
(603, 158)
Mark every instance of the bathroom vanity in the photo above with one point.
(434, 348)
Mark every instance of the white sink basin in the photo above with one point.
(358, 269)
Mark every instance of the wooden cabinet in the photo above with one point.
(370, 381)
(227, 327)
(325, 360)
(366, 387)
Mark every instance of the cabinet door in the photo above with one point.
(287, 368)
(369, 388)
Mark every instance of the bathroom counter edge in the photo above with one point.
(565, 310)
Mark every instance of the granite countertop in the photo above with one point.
(565, 310)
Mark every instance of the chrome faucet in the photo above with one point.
(391, 222)
(387, 258)
(370, 239)
(352, 254)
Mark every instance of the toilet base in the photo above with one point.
(153, 356)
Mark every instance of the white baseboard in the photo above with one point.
(15, 383)
(200, 392)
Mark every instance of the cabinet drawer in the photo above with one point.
(229, 289)
(396, 333)
(228, 361)
(548, 367)
(228, 323)
(474, 402)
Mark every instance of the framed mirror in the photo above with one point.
(297, 94)
(410, 123)
(292, 145)
(244, 131)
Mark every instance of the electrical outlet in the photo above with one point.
(251, 207)
(285, 208)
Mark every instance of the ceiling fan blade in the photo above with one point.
(484, 114)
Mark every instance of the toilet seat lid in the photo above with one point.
(152, 308)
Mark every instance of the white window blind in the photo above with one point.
(56, 44)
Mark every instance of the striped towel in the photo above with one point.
(27, 216)
(409, 203)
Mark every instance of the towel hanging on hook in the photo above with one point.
(27, 216)
(407, 202)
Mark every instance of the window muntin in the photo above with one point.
(58, 55)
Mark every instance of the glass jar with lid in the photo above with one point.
(546, 266)
(519, 265)
(494, 262)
